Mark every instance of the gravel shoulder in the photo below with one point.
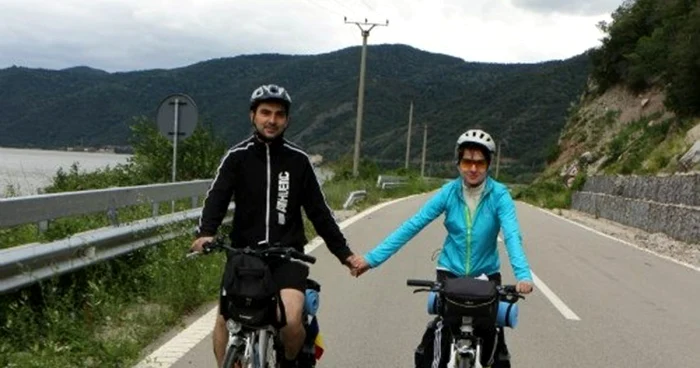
(657, 242)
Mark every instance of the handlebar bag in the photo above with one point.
(249, 294)
(469, 297)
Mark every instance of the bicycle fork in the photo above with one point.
(246, 343)
(466, 349)
(262, 337)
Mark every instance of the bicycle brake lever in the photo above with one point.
(419, 290)
(514, 297)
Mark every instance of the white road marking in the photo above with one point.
(180, 344)
(553, 298)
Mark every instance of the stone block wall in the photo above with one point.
(669, 204)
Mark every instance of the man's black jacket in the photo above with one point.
(270, 183)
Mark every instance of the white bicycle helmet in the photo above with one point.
(270, 92)
(476, 136)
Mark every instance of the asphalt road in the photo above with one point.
(597, 303)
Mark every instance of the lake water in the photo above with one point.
(28, 170)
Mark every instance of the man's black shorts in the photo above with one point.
(287, 275)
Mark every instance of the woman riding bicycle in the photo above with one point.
(476, 207)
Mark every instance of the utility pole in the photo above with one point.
(408, 137)
(498, 158)
(361, 89)
(425, 140)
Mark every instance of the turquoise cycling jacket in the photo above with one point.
(470, 247)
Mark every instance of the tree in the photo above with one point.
(198, 156)
(684, 77)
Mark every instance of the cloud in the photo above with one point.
(144, 34)
(574, 7)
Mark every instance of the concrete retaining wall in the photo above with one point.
(670, 205)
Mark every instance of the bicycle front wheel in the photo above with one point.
(272, 352)
(463, 363)
(233, 358)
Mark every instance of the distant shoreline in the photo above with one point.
(91, 151)
(28, 170)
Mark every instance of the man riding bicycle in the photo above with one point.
(476, 207)
(270, 180)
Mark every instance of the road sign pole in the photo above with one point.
(181, 124)
(176, 134)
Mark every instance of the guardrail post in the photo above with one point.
(195, 202)
(113, 216)
(88, 252)
(155, 209)
(43, 226)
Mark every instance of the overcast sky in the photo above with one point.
(124, 35)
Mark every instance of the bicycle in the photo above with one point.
(257, 345)
(465, 302)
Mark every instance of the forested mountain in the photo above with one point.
(523, 105)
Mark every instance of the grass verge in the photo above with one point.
(106, 314)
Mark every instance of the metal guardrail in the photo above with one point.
(388, 182)
(390, 185)
(25, 264)
(354, 197)
(45, 207)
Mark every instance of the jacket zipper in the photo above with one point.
(267, 208)
(469, 238)
(469, 220)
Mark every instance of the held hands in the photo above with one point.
(357, 265)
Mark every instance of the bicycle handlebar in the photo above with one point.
(504, 290)
(420, 283)
(260, 251)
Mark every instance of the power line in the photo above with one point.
(324, 7)
(367, 5)
(346, 7)
(371, 8)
